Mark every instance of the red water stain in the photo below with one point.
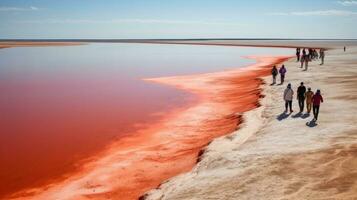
(140, 162)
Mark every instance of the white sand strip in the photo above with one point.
(271, 158)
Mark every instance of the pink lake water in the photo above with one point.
(60, 105)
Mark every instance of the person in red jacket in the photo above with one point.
(316, 100)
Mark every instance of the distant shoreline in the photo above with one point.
(11, 44)
(276, 43)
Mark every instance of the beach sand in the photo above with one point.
(277, 156)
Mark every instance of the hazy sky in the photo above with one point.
(178, 19)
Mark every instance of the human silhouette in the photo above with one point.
(322, 56)
(316, 101)
(282, 72)
(306, 60)
(274, 73)
(308, 96)
(301, 96)
(297, 54)
(288, 98)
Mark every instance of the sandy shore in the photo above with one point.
(273, 156)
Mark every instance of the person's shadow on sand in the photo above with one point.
(300, 115)
(283, 116)
(306, 115)
(311, 123)
(297, 115)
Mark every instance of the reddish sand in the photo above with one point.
(140, 162)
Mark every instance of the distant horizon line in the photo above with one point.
(169, 39)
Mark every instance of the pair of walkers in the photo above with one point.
(282, 71)
(312, 100)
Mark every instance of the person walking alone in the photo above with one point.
(302, 60)
(322, 56)
(297, 54)
(301, 96)
(288, 98)
(274, 73)
(282, 72)
(308, 96)
(307, 60)
(316, 101)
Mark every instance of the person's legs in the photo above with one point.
(306, 65)
(308, 107)
(274, 79)
(314, 110)
(291, 105)
(282, 77)
(286, 106)
(317, 111)
(302, 99)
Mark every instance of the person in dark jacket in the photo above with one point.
(282, 72)
(316, 101)
(274, 73)
(297, 54)
(301, 96)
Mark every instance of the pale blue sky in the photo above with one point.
(120, 19)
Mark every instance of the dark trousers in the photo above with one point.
(315, 110)
(282, 77)
(301, 103)
(288, 104)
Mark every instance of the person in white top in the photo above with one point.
(288, 98)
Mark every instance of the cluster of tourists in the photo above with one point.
(306, 98)
(305, 56)
(313, 100)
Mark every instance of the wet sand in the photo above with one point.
(279, 156)
(138, 163)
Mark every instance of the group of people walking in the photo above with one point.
(305, 56)
(313, 100)
(304, 96)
